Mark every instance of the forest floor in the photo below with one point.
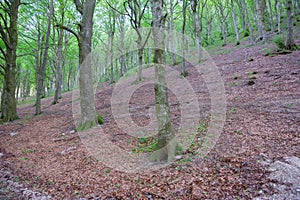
(44, 154)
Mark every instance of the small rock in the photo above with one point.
(1, 154)
(64, 152)
(178, 157)
(13, 134)
(72, 131)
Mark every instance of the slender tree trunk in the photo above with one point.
(122, 36)
(166, 133)
(198, 27)
(248, 21)
(260, 9)
(271, 16)
(290, 42)
(278, 15)
(59, 57)
(171, 33)
(183, 67)
(59, 62)
(10, 39)
(140, 56)
(235, 24)
(42, 69)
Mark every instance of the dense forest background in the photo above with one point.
(39, 39)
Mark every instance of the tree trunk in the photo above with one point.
(59, 57)
(111, 47)
(10, 39)
(40, 89)
(140, 56)
(248, 21)
(290, 42)
(122, 36)
(198, 27)
(183, 67)
(260, 9)
(166, 135)
(278, 15)
(235, 24)
(271, 16)
(87, 105)
(171, 33)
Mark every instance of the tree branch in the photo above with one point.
(115, 8)
(4, 37)
(79, 6)
(3, 52)
(69, 30)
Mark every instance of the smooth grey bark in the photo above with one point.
(121, 50)
(236, 30)
(242, 15)
(9, 36)
(183, 64)
(59, 61)
(248, 21)
(85, 80)
(87, 104)
(290, 42)
(171, 32)
(135, 11)
(112, 29)
(166, 133)
(223, 14)
(41, 70)
(278, 15)
(271, 15)
(198, 14)
(260, 9)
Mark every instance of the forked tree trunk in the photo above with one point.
(166, 133)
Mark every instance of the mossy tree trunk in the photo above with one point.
(87, 105)
(9, 36)
(290, 42)
(166, 133)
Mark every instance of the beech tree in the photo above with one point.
(9, 35)
(41, 68)
(166, 132)
(290, 42)
(84, 38)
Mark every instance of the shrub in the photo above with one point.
(100, 119)
(279, 41)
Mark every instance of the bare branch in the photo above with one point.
(79, 6)
(115, 8)
(143, 11)
(69, 30)
(4, 37)
(146, 39)
(3, 52)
